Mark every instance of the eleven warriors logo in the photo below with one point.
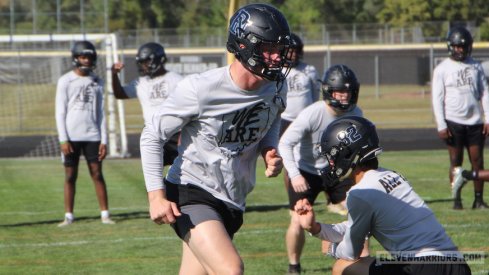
(239, 24)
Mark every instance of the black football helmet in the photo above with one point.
(297, 46)
(84, 48)
(340, 78)
(459, 36)
(153, 55)
(347, 142)
(257, 28)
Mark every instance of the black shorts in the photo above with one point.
(316, 185)
(89, 149)
(171, 149)
(198, 205)
(420, 268)
(465, 135)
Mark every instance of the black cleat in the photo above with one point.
(457, 205)
(480, 205)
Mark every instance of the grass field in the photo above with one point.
(31, 205)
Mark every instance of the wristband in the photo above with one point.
(63, 142)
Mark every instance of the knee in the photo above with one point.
(236, 268)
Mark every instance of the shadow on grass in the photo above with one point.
(116, 217)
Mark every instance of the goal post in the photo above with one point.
(30, 66)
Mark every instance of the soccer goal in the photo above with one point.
(30, 66)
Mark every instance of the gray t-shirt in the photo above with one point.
(152, 92)
(223, 130)
(460, 93)
(303, 84)
(80, 108)
(383, 204)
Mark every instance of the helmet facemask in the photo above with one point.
(340, 78)
(84, 48)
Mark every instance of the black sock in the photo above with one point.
(469, 175)
(478, 196)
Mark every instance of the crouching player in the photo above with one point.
(381, 203)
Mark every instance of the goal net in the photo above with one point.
(30, 66)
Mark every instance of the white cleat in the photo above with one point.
(107, 221)
(458, 181)
(66, 222)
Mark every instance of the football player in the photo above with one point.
(299, 146)
(381, 203)
(152, 87)
(460, 96)
(228, 117)
(80, 122)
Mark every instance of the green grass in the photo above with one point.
(31, 205)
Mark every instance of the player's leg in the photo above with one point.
(95, 169)
(211, 245)
(190, 264)
(295, 235)
(455, 145)
(358, 267)
(207, 226)
(475, 140)
(70, 163)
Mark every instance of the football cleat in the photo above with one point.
(458, 181)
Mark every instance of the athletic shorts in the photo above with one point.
(465, 135)
(421, 268)
(171, 150)
(336, 193)
(89, 149)
(197, 206)
(284, 124)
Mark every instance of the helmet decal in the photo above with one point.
(239, 23)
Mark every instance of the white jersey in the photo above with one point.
(383, 204)
(299, 144)
(460, 93)
(152, 92)
(80, 108)
(303, 85)
(223, 130)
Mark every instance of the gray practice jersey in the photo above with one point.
(303, 84)
(224, 130)
(459, 93)
(152, 92)
(384, 205)
(80, 108)
(299, 144)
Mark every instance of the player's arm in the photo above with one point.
(269, 151)
(116, 83)
(359, 225)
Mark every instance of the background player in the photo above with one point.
(80, 122)
(228, 116)
(299, 149)
(460, 97)
(152, 87)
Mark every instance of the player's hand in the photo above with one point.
(299, 184)
(162, 210)
(117, 67)
(444, 134)
(485, 130)
(273, 163)
(306, 214)
(102, 151)
(66, 148)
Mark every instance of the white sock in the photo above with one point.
(69, 216)
(104, 214)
